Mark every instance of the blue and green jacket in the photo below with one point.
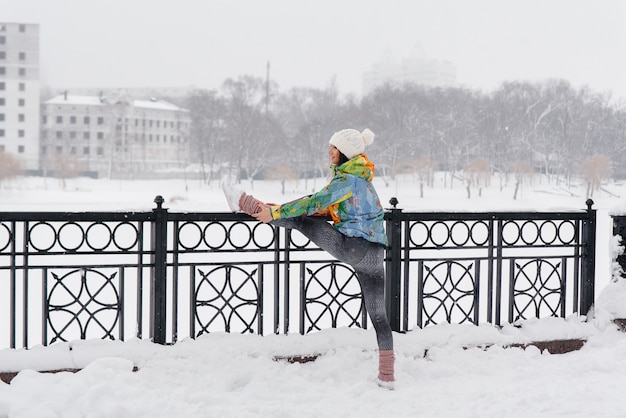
(350, 199)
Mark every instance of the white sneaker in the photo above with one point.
(385, 385)
(233, 194)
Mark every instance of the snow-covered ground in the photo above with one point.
(441, 371)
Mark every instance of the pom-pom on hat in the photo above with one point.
(351, 142)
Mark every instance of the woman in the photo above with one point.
(356, 237)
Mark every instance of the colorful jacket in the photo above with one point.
(350, 199)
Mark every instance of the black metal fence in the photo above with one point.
(66, 276)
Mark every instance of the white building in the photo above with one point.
(112, 137)
(415, 69)
(19, 92)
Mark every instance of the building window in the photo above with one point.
(22, 71)
(44, 119)
(86, 120)
(1, 101)
(73, 150)
(21, 102)
(3, 39)
(20, 133)
(22, 86)
(59, 135)
(72, 135)
(44, 134)
(22, 56)
(100, 120)
(21, 117)
(72, 119)
(3, 55)
(3, 85)
(22, 28)
(3, 70)
(86, 135)
(59, 119)
(100, 135)
(1, 132)
(59, 149)
(20, 149)
(1, 117)
(44, 150)
(2, 148)
(100, 151)
(86, 151)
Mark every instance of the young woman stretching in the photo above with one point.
(356, 237)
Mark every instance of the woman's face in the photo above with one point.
(335, 155)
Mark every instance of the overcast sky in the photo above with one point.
(147, 43)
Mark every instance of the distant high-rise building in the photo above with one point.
(416, 69)
(19, 92)
(116, 137)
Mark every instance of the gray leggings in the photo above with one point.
(365, 257)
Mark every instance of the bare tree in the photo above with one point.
(207, 135)
(521, 170)
(595, 169)
(65, 167)
(10, 166)
(477, 171)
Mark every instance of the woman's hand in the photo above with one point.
(265, 215)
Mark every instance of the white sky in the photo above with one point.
(147, 43)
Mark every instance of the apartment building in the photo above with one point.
(114, 137)
(19, 93)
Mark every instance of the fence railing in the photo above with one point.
(67, 276)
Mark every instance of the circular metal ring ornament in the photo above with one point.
(186, 229)
(92, 232)
(206, 235)
(118, 232)
(465, 234)
(414, 232)
(529, 232)
(510, 227)
(475, 233)
(436, 236)
(233, 236)
(4, 236)
(66, 230)
(35, 234)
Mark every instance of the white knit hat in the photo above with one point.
(351, 142)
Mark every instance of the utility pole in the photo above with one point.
(267, 88)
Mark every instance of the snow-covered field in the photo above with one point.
(466, 371)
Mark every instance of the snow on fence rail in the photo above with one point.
(167, 276)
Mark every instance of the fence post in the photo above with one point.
(587, 293)
(158, 288)
(393, 257)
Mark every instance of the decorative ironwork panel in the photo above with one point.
(537, 288)
(228, 299)
(448, 291)
(84, 303)
(330, 297)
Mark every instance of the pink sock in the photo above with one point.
(249, 204)
(385, 365)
